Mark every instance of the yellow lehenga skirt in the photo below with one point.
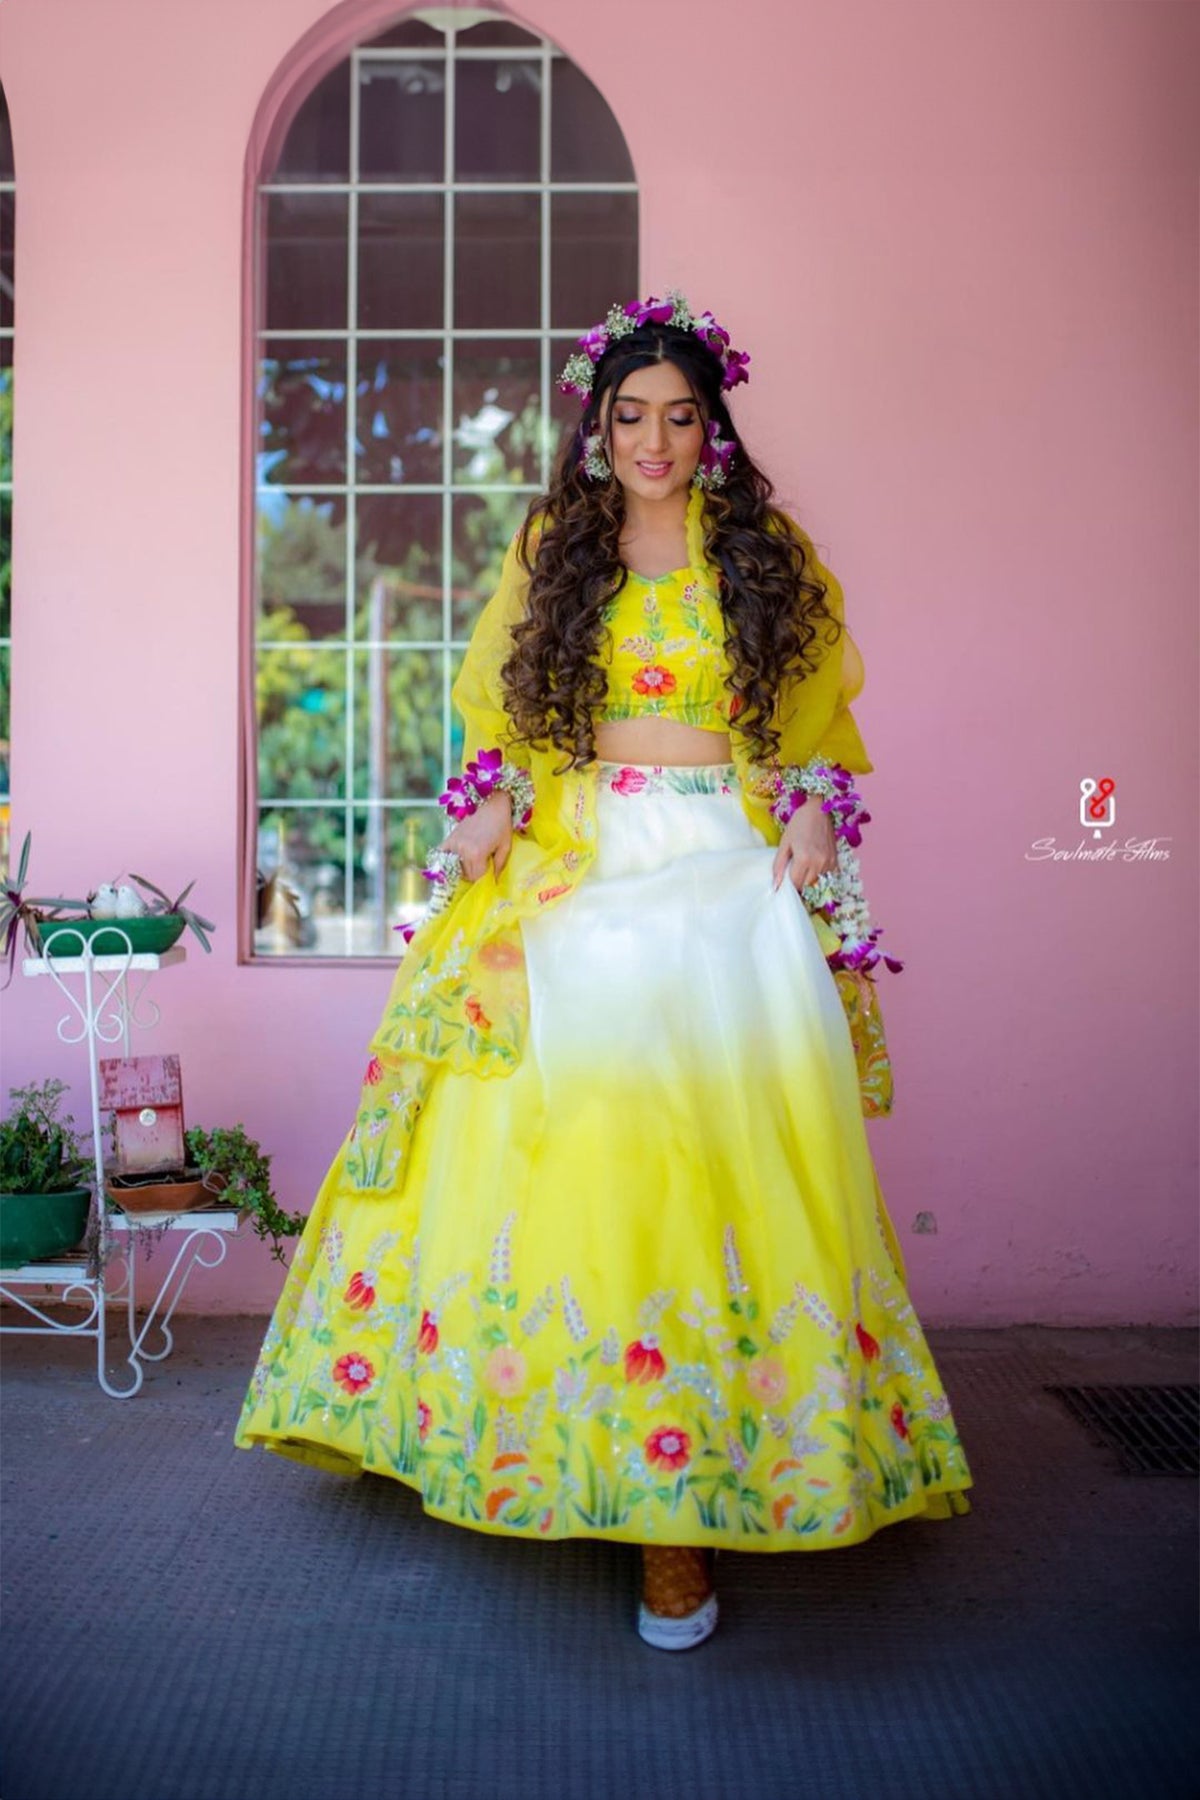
(645, 1287)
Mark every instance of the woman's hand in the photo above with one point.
(487, 833)
(808, 847)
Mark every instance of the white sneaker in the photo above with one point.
(678, 1634)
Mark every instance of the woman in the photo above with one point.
(604, 1253)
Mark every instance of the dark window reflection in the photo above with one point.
(497, 260)
(402, 109)
(593, 255)
(401, 261)
(317, 146)
(302, 435)
(586, 142)
(410, 33)
(306, 261)
(7, 171)
(497, 121)
(495, 34)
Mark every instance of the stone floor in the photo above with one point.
(187, 1621)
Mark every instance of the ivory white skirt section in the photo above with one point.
(645, 1287)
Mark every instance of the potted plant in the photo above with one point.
(114, 916)
(225, 1167)
(44, 1200)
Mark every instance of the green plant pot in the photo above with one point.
(33, 1226)
(64, 937)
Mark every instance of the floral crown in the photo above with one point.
(579, 370)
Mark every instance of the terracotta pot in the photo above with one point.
(183, 1194)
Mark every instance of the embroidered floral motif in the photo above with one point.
(692, 1418)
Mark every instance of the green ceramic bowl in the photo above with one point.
(63, 937)
(33, 1226)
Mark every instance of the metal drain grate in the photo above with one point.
(1154, 1430)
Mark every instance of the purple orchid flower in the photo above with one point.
(737, 365)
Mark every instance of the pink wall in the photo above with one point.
(960, 241)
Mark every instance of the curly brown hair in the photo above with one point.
(771, 602)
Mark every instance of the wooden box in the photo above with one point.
(145, 1096)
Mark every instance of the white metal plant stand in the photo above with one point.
(104, 1007)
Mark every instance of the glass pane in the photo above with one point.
(6, 406)
(408, 32)
(457, 734)
(497, 121)
(301, 882)
(586, 143)
(5, 563)
(483, 525)
(302, 433)
(399, 424)
(301, 577)
(301, 699)
(391, 844)
(566, 410)
(399, 573)
(402, 114)
(497, 409)
(593, 255)
(5, 715)
(8, 220)
(401, 261)
(6, 146)
(495, 34)
(497, 264)
(306, 261)
(317, 146)
(398, 711)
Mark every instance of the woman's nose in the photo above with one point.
(656, 434)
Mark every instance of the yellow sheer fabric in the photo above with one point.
(459, 998)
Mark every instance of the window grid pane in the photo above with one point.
(400, 445)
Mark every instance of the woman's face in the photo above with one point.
(657, 432)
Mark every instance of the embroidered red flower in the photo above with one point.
(643, 1360)
(552, 893)
(668, 1447)
(899, 1423)
(736, 704)
(374, 1072)
(866, 1343)
(497, 1498)
(353, 1372)
(628, 781)
(427, 1335)
(360, 1291)
(424, 1420)
(652, 678)
(475, 1012)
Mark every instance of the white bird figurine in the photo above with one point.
(104, 901)
(130, 904)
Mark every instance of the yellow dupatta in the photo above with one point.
(459, 998)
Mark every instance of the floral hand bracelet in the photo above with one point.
(839, 893)
(485, 775)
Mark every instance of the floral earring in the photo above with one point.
(593, 462)
(716, 456)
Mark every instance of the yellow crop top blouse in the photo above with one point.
(667, 657)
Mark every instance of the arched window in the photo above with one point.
(8, 215)
(451, 206)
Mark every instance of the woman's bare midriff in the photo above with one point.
(660, 741)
